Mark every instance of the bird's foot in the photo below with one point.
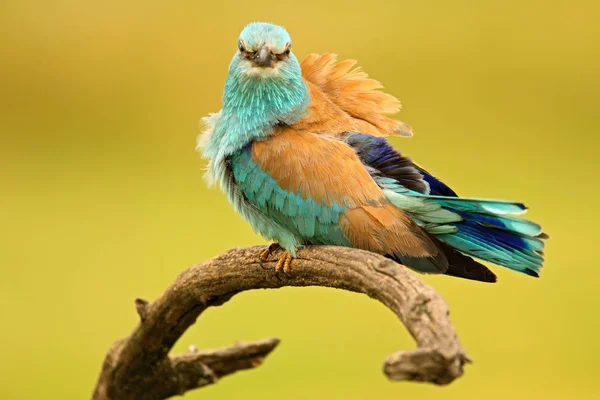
(266, 253)
(285, 262)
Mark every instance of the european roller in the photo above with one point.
(300, 151)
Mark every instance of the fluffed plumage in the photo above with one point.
(300, 151)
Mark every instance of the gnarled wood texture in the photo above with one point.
(139, 366)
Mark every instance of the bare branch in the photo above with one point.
(141, 306)
(139, 366)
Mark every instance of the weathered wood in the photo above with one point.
(139, 366)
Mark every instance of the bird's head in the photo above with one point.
(265, 50)
(264, 88)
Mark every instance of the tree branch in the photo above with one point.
(139, 366)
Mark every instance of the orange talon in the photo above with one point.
(266, 253)
(285, 262)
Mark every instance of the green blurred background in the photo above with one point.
(102, 199)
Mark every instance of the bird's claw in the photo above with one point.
(266, 253)
(285, 263)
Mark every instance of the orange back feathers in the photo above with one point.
(344, 98)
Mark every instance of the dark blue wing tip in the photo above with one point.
(531, 272)
(437, 187)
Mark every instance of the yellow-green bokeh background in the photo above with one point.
(102, 199)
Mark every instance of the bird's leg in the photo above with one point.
(285, 262)
(266, 253)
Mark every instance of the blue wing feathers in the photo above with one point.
(484, 206)
(378, 154)
(481, 228)
(317, 224)
(486, 232)
(436, 187)
(484, 228)
(517, 225)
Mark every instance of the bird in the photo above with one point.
(301, 151)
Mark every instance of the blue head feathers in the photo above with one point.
(258, 34)
(264, 88)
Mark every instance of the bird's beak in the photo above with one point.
(263, 58)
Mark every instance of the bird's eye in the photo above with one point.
(285, 54)
(241, 46)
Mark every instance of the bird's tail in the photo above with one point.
(463, 266)
(489, 232)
